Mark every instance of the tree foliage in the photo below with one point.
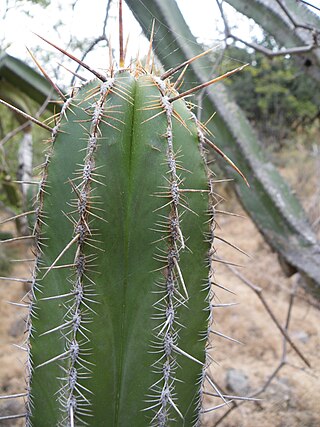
(276, 96)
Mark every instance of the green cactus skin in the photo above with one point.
(121, 300)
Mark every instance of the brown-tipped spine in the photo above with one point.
(83, 64)
(55, 87)
(209, 83)
(26, 116)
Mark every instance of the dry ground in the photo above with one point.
(293, 396)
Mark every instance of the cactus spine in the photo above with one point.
(120, 307)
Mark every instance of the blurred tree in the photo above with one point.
(25, 89)
(275, 94)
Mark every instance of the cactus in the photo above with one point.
(119, 298)
(20, 83)
(120, 307)
(121, 302)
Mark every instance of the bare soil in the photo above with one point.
(292, 397)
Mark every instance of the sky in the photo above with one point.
(84, 23)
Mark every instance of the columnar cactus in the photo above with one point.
(122, 295)
(121, 306)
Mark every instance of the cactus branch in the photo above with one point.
(127, 201)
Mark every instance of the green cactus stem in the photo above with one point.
(121, 302)
(121, 298)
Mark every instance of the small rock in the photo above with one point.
(238, 382)
(17, 328)
(301, 336)
(280, 392)
(11, 407)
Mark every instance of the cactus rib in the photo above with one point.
(39, 211)
(164, 389)
(75, 395)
